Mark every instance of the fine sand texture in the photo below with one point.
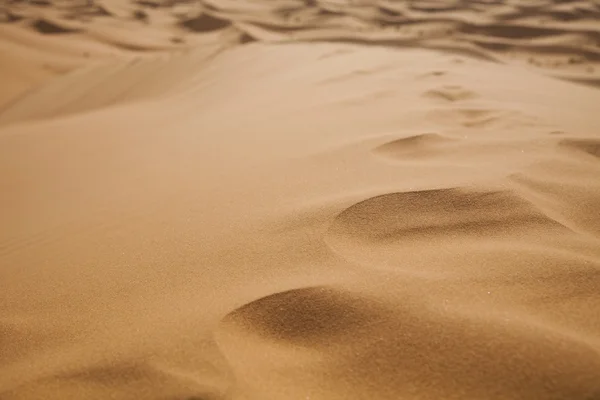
(300, 200)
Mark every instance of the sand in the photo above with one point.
(304, 200)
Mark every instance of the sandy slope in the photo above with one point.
(401, 203)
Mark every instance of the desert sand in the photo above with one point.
(303, 200)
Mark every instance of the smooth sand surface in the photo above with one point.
(303, 200)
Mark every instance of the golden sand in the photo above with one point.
(300, 200)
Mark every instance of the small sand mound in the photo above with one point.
(304, 317)
(451, 93)
(104, 381)
(204, 23)
(423, 215)
(7, 17)
(418, 145)
(48, 27)
(589, 146)
(483, 119)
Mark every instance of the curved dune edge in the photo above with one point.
(559, 39)
(239, 200)
(329, 342)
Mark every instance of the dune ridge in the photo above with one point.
(559, 38)
(299, 199)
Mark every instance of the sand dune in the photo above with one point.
(300, 199)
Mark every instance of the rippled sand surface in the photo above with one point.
(300, 200)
